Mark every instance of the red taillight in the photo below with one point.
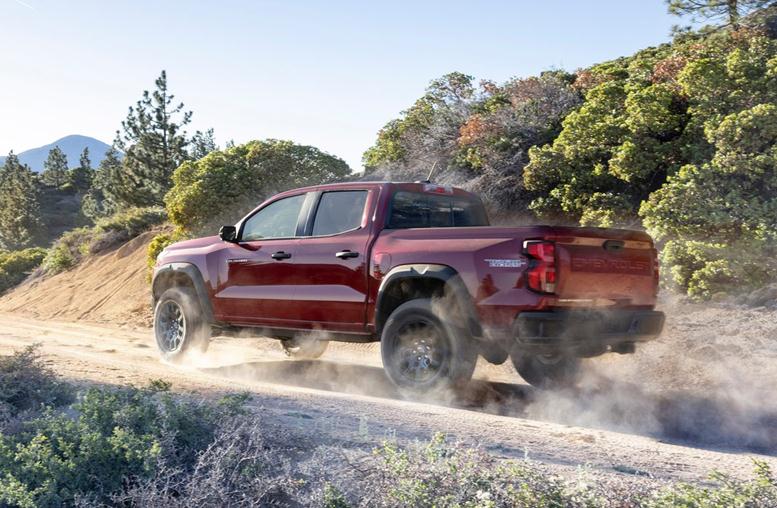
(541, 274)
(656, 273)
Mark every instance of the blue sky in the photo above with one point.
(329, 74)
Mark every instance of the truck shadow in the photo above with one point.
(688, 419)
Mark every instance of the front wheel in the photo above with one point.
(178, 325)
(547, 371)
(421, 353)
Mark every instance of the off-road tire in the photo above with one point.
(547, 372)
(193, 333)
(304, 348)
(451, 358)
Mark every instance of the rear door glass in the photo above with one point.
(339, 211)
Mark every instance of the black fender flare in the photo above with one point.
(452, 282)
(170, 271)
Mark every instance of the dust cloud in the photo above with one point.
(708, 380)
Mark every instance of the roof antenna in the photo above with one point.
(431, 172)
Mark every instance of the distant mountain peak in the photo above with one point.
(72, 145)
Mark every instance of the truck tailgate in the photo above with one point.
(606, 267)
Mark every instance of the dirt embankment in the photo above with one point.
(111, 287)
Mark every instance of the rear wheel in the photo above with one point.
(178, 325)
(304, 348)
(556, 370)
(422, 353)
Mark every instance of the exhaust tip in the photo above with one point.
(624, 348)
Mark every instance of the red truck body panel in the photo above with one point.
(314, 289)
(586, 274)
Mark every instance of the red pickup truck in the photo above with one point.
(417, 267)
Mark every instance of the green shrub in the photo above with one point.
(225, 184)
(117, 438)
(27, 383)
(132, 222)
(691, 104)
(705, 269)
(445, 475)
(107, 233)
(68, 250)
(123, 226)
(719, 216)
(16, 265)
(58, 260)
(157, 245)
(756, 493)
(333, 498)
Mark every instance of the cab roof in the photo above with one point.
(414, 186)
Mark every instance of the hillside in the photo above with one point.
(111, 287)
(71, 145)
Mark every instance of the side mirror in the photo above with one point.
(228, 234)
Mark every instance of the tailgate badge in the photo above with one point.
(506, 263)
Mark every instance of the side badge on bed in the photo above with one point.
(506, 263)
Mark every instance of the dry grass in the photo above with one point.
(149, 447)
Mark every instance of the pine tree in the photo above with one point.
(201, 144)
(730, 10)
(55, 168)
(21, 225)
(100, 200)
(81, 176)
(154, 144)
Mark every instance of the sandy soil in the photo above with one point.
(699, 399)
(346, 396)
(107, 288)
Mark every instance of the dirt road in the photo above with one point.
(615, 430)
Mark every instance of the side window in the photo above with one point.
(276, 220)
(339, 211)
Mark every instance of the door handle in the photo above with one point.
(281, 255)
(345, 254)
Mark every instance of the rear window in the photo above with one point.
(422, 210)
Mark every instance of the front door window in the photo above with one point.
(276, 220)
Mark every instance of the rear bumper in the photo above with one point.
(588, 332)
